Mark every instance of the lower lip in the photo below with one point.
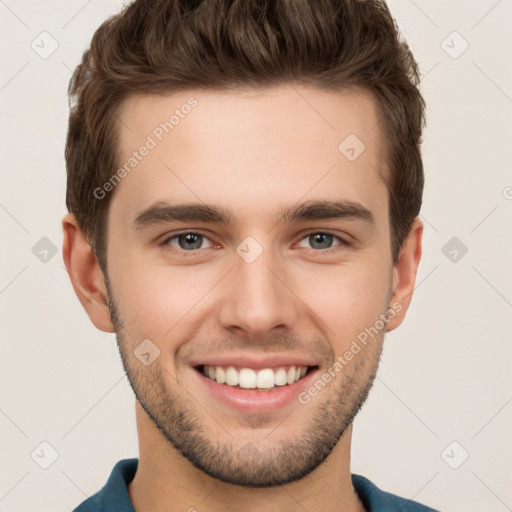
(252, 400)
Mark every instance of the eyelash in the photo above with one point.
(341, 242)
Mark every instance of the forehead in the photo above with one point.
(250, 148)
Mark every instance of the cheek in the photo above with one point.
(347, 299)
(157, 299)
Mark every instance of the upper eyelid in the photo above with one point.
(323, 231)
(174, 234)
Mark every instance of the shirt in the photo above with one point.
(113, 497)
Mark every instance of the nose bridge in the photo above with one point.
(257, 300)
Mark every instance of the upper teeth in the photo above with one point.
(248, 378)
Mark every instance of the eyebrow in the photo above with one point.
(162, 212)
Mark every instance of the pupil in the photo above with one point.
(322, 240)
(190, 241)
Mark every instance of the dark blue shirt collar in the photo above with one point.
(113, 497)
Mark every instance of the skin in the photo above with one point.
(253, 152)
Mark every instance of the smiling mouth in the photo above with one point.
(264, 379)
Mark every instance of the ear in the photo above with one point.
(404, 275)
(85, 274)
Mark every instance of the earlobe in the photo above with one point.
(404, 275)
(85, 274)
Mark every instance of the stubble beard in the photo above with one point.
(184, 424)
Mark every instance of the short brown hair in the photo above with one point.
(164, 46)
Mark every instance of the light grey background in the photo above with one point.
(445, 374)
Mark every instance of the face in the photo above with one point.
(248, 249)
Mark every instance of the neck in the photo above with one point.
(165, 480)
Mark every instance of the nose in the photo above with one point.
(257, 300)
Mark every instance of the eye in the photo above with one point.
(188, 241)
(322, 241)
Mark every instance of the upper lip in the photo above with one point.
(256, 362)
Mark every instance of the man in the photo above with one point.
(244, 184)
